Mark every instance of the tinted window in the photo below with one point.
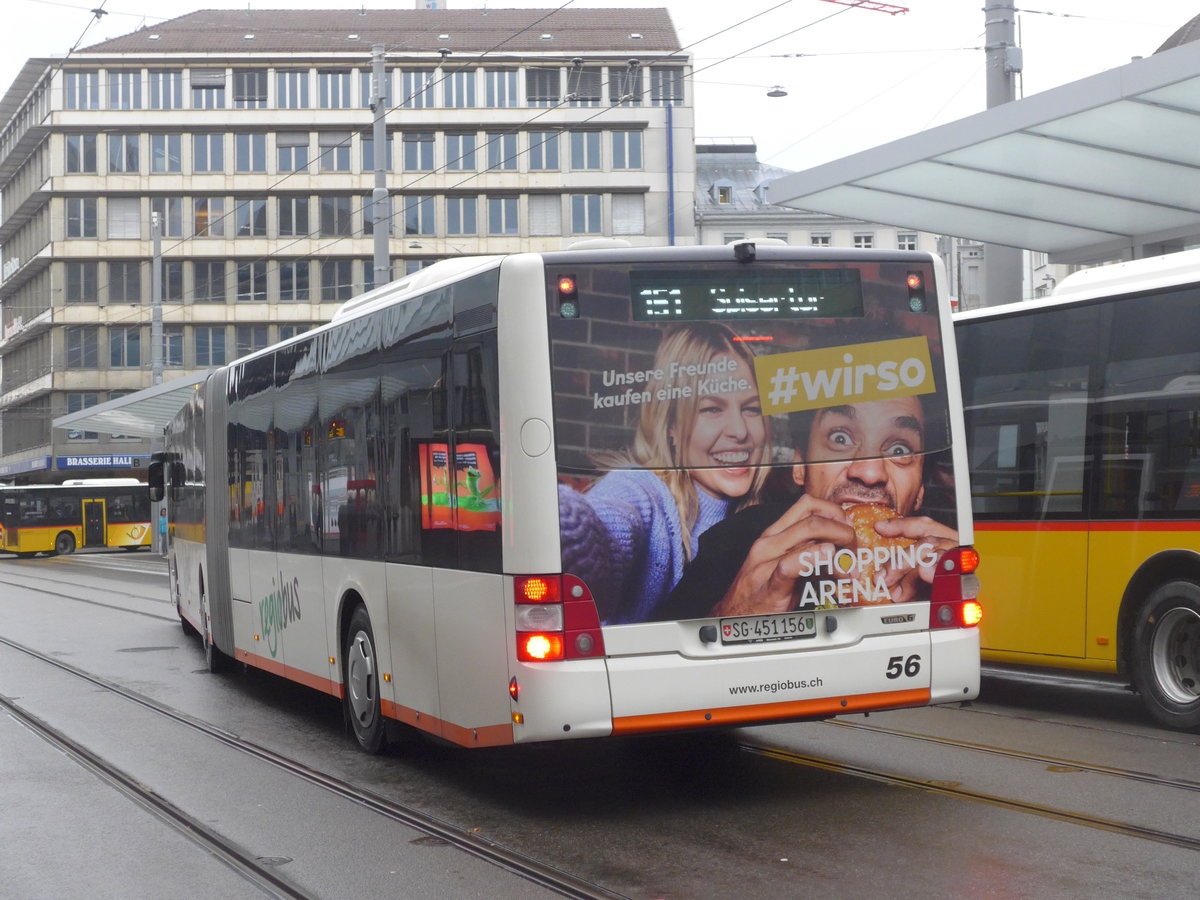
(1025, 390)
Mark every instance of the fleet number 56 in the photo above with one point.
(898, 666)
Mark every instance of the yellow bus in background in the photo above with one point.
(1083, 433)
(88, 513)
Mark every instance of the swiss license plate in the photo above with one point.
(753, 629)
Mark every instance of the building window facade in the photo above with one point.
(170, 215)
(81, 217)
(166, 153)
(291, 89)
(166, 88)
(460, 152)
(249, 88)
(124, 89)
(208, 216)
(123, 155)
(250, 152)
(82, 346)
(125, 281)
(461, 215)
(459, 89)
(293, 216)
(418, 151)
(334, 149)
(543, 151)
(124, 346)
(337, 219)
(502, 215)
(416, 88)
(586, 214)
(80, 282)
(500, 87)
(333, 89)
(209, 344)
(252, 281)
(418, 215)
(337, 280)
(81, 89)
(208, 153)
(81, 153)
(293, 281)
(585, 150)
(626, 149)
(502, 152)
(208, 280)
(291, 151)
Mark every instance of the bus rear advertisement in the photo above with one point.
(593, 492)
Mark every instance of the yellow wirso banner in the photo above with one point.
(851, 373)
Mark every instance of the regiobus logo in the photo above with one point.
(852, 373)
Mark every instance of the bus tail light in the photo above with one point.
(955, 601)
(555, 618)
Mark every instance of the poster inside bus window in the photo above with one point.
(817, 437)
(474, 502)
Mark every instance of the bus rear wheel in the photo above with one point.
(1166, 654)
(361, 673)
(64, 543)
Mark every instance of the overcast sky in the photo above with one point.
(855, 78)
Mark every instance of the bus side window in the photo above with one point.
(475, 422)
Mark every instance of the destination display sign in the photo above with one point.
(761, 293)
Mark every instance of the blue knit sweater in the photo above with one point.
(623, 538)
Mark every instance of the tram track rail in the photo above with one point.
(569, 886)
(1183, 784)
(192, 828)
(38, 583)
(465, 840)
(948, 789)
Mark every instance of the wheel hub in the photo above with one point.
(360, 678)
(1177, 654)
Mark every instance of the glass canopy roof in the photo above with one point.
(1091, 170)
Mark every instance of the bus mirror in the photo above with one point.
(154, 479)
(178, 474)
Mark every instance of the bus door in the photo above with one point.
(94, 531)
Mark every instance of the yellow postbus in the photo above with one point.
(58, 518)
(1083, 433)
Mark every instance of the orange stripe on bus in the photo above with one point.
(1031, 526)
(1089, 526)
(770, 712)
(324, 685)
(483, 736)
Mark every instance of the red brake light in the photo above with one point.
(538, 589)
(539, 647)
(955, 589)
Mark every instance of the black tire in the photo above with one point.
(213, 658)
(1166, 654)
(360, 672)
(64, 543)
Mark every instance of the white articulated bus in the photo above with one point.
(592, 492)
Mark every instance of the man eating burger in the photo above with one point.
(853, 537)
